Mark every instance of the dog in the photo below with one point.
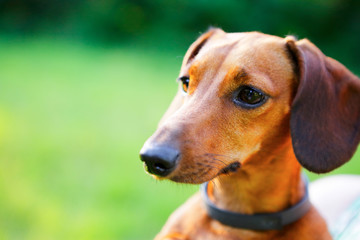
(252, 110)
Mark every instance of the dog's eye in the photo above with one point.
(185, 83)
(249, 97)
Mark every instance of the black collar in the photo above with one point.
(267, 221)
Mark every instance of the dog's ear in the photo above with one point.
(325, 113)
(194, 49)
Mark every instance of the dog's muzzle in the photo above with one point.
(159, 160)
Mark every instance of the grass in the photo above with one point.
(72, 120)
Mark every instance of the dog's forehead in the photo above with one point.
(247, 49)
(233, 53)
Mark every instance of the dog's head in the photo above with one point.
(245, 96)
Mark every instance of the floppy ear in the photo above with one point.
(325, 113)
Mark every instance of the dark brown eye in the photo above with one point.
(249, 97)
(185, 83)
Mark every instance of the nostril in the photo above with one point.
(160, 160)
(159, 167)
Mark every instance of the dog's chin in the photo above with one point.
(191, 179)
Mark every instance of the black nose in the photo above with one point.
(160, 160)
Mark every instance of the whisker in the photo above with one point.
(220, 160)
(206, 166)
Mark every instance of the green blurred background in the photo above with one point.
(84, 83)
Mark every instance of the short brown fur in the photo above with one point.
(212, 132)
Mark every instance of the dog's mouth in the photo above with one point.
(232, 167)
(194, 178)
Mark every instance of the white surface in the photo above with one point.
(332, 195)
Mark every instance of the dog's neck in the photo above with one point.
(271, 185)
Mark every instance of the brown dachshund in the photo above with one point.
(250, 111)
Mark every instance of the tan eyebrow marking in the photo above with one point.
(241, 75)
(195, 75)
(232, 79)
